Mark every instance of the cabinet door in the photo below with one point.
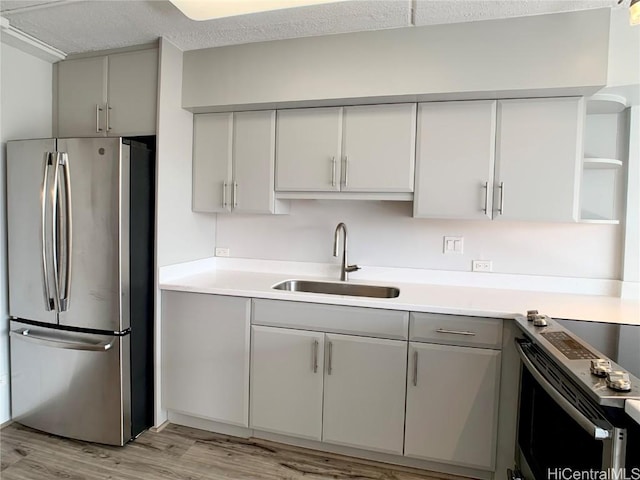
(132, 93)
(205, 356)
(212, 139)
(539, 159)
(455, 160)
(308, 146)
(254, 135)
(379, 148)
(82, 93)
(452, 404)
(286, 381)
(364, 392)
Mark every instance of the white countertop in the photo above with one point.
(227, 278)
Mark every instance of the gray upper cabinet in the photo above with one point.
(132, 91)
(455, 160)
(505, 160)
(309, 146)
(110, 95)
(212, 158)
(234, 163)
(539, 159)
(82, 96)
(379, 148)
(368, 149)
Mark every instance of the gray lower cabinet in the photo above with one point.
(286, 381)
(345, 389)
(452, 404)
(205, 356)
(364, 392)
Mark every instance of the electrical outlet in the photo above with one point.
(222, 252)
(481, 266)
(453, 245)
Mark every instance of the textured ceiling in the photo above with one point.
(75, 26)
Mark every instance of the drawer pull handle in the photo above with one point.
(330, 362)
(456, 332)
(415, 368)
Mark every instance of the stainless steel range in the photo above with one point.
(571, 415)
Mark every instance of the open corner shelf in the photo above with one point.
(605, 103)
(599, 221)
(601, 163)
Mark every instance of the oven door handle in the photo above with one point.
(595, 431)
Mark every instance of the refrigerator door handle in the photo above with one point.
(26, 335)
(68, 217)
(54, 232)
(44, 195)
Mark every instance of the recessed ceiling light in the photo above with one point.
(210, 9)
(634, 12)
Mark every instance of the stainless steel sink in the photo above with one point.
(335, 288)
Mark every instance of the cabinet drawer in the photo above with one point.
(370, 322)
(455, 330)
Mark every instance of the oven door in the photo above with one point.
(558, 431)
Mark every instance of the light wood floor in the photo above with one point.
(177, 453)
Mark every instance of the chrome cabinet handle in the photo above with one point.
(415, 368)
(44, 195)
(594, 430)
(64, 300)
(25, 334)
(108, 121)
(456, 332)
(235, 194)
(486, 197)
(346, 171)
(501, 209)
(333, 171)
(315, 356)
(224, 194)
(330, 360)
(98, 110)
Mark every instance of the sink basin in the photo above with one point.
(335, 288)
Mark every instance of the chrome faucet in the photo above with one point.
(344, 268)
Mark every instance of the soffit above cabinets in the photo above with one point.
(76, 26)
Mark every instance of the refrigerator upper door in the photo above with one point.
(30, 190)
(95, 175)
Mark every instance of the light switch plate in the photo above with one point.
(453, 245)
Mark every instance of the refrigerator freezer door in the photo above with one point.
(98, 177)
(73, 385)
(29, 217)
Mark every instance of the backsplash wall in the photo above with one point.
(385, 234)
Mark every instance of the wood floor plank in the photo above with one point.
(179, 453)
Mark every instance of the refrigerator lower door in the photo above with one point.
(70, 384)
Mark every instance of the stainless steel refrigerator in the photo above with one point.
(80, 216)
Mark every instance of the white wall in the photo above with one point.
(385, 234)
(181, 235)
(25, 112)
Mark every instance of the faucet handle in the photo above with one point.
(351, 268)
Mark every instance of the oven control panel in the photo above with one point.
(606, 382)
(568, 346)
